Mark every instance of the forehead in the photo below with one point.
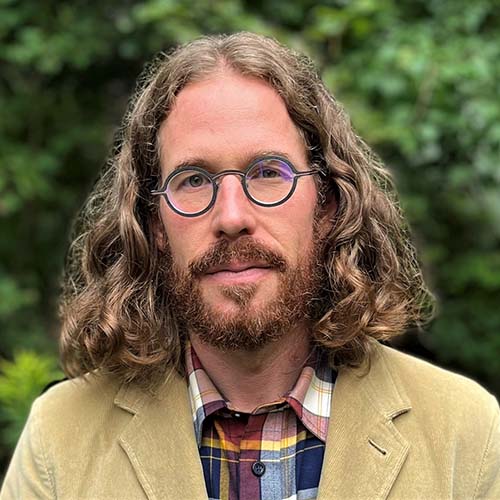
(226, 119)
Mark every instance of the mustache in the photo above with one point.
(244, 249)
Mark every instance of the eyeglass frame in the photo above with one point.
(241, 173)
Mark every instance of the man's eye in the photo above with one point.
(269, 173)
(194, 181)
(265, 172)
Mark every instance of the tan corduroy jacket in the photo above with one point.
(404, 430)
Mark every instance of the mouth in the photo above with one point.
(237, 267)
(238, 273)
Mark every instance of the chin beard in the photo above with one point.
(241, 295)
(248, 328)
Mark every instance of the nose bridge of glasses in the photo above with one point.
(237, 184)
(217, 178)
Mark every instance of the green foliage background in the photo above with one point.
(421, 80)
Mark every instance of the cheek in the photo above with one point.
(294, 226)
(182, 234)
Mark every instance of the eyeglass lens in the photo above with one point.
(268, 181)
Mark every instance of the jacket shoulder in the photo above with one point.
(452, 421)
(68, 416)
(83, 395)
(442, 403)
(423, 380)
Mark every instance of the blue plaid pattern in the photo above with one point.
(287, 436)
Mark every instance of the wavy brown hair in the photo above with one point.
(115, 306)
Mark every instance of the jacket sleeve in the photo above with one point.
(488, 484)
(28, 475)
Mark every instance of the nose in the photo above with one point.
(233, 213)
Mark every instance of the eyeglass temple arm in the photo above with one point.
(309, 172)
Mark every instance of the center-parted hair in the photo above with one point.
(115, 308)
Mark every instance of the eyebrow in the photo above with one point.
(195, 161)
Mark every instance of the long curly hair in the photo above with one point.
(115, 308)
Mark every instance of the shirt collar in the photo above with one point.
(310, 397)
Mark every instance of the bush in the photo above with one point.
(21, 381)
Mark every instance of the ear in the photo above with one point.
(159, 233)
(326, 213)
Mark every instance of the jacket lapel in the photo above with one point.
(160, 443)
(364, 452)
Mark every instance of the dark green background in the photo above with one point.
(420, 79)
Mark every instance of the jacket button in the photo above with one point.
(258, 469)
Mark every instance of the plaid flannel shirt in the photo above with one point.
(274, 453)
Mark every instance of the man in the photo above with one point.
(235, 268)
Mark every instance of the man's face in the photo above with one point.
(239, 263)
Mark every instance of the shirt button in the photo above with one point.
(258, 469)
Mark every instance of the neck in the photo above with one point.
(248, 379)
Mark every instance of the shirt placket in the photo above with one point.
(251, 468)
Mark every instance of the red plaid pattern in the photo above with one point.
(276, 452)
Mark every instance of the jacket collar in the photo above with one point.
(364, 452)
(160, 442)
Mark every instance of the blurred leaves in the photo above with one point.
(21, 381)
(13, 298)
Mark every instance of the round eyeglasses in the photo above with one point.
(267, 181)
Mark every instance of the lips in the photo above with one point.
(237, 273)
(237, 267)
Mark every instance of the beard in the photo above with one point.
(248, 328)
